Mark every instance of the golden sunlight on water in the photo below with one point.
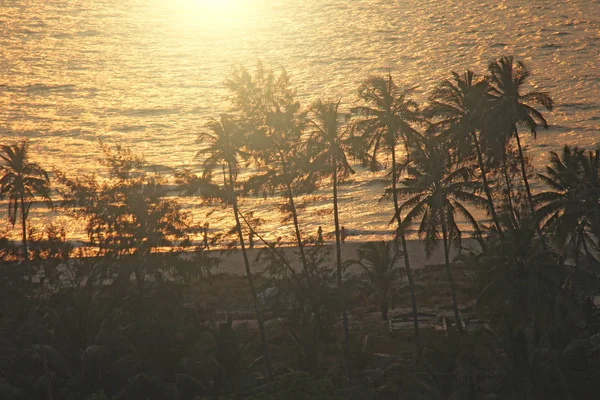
(147, 74)
(217, 15)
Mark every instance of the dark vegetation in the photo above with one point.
(145, 314)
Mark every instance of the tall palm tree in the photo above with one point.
(507, 79)
(222, 146)
(327, 145)
(379, 261)
(388, 116)
(268, 106)
(284, 167)
(461, 103)
(572, 204)
(436, 188)
(21, 181)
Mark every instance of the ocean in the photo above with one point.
(148, 74)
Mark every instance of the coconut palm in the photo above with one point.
(388, 116)
(436, 188)
(379, 260)
(222, 144)
(461, 103)
(507, 79)
(327, 145)
(270, 111)
(571, 206)
(21, 181)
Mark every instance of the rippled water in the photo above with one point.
(148, 73)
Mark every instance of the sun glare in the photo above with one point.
(211, 12)
(217, 5)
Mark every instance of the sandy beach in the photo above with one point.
(232, 261)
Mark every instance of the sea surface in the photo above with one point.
(147, 74)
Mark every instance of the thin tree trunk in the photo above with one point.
(24, 228)
(259, 318)
(529, 197)
(338, 257)
(524, 173)
(409, 275)
(316, 310)
(290, 195)
(450, 278)
(486, 185)
(508, 185)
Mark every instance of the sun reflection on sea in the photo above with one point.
(211, 13)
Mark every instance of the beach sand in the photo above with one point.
(232, 261)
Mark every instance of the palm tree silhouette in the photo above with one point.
(270, 111)
(379, 261)
(506, 83)
(522, 280)
(222, 146)
(278, 144)
(463, 104)
(436, 188)
(21, 181)
(570, 208)
(387, 117)
(327, 146)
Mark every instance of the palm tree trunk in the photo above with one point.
(524, 172)
(24, 228)
(450, 278)
(259, 318)
(409, 275)
(529, 197)
(508, 185)
(315, 307)
(486, 185)
(338, 258)
(290, 194)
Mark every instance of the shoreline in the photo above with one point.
(232, 261)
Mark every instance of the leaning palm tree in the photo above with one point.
(436, 188)
(379, 261)
(388, 116)
(570, 207)
(21, 181)
(222, 144)
(506, 82)
(327, 145)
(462, 105)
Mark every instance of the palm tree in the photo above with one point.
(222, 143)
(436, 188)
(571, 206)
(506, 83)
(379, 261)
(268, 107)
(21, 181)
(270, 110)
(461, 103)
(522, 279)
(327, 145)
(388, 116)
